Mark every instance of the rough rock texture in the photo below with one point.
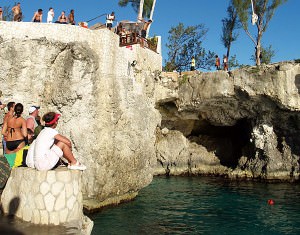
(107, 105)
(176, 155)
(248, 118)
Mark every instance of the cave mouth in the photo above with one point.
(229, 143)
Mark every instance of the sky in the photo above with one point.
(283, 32)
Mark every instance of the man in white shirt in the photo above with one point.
(50, 15)
(110, 18)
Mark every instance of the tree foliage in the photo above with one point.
(135, 5)
(265, 10)
(183, 44)
(266, 55)
(233, 62)
(7, 14)
(230, 25)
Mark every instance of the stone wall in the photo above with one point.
(44, 197)
(107, 105)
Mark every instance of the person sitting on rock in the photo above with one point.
(31, 122)
(62, 19)
(15, 131)
(49, 147)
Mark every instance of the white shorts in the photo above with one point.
(50, 159)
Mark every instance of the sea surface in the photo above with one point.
(202, 205)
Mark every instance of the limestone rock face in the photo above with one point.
(107, 105)
(176, 155)
(248, 118)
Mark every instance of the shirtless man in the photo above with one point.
(144, 31)
(17, 12)
(71, 17)
(38, 16)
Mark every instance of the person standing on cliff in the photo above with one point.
(50, 15)
(38, 16)
(17, 12)
(1, 14)
(49, 147)
(144, 31)
(225, 63)
(193, 63)
(110, 18)
(71, 17)
(217, 63)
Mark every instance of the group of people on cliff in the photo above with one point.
(217, 63)
(38, 15)
(47, 149)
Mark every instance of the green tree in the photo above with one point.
(183, 44)
(264, 9)
(266, 55)
(136, 4)
(233, 63)
(230, 25)
(7, 13)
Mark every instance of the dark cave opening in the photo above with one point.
(228, 143)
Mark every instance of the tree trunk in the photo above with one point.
(140, 14)
(151, 16)
(258, 49)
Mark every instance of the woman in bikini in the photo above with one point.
(15, 131)
(62, 19)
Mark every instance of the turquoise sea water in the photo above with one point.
(201, 205)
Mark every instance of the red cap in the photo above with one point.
(56, 117)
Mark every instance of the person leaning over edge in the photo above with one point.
(49, 147)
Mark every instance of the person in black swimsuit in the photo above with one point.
(15, 131)
(62, 19)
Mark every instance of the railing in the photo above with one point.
(134, 38)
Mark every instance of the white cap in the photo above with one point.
(33, 108)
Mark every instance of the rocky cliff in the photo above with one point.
(129, 122)
(248, 119)
(107, 104)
